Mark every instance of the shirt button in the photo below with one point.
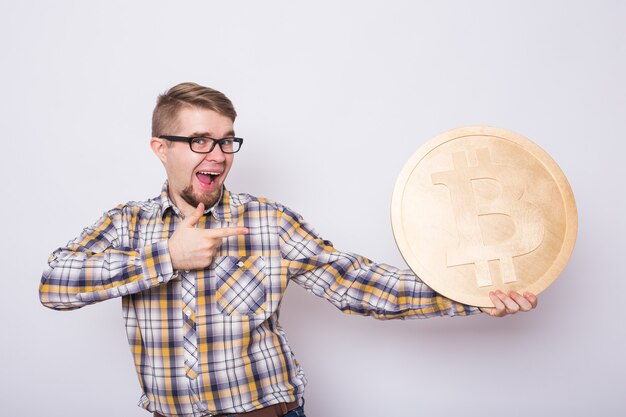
(239, 264)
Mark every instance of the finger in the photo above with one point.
(511, 306)
(499, 309)
(523, 303)
(194, 216)
(532, 298)
(490, 311)
(227, 231)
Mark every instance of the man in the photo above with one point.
(202, 271)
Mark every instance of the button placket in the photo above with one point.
(190, 338)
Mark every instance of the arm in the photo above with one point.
(353, 283)
(95, 267)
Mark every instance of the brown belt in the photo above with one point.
(276, 410)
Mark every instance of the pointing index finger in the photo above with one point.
(228, 231)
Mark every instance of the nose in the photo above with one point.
(216, 155)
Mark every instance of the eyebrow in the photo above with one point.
(228, 134)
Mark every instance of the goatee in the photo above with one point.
(193, 199)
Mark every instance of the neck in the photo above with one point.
(185, 208)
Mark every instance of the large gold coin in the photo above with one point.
(478, 209)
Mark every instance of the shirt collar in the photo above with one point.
(224, 210)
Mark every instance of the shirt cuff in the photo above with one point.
(156, 263)
(458, 309)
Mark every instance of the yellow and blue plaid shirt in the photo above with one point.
(243, 359)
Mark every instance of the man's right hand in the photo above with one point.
(192, 248)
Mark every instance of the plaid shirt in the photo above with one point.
(244, 361)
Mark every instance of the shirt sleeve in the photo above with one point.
(95, 267)
(353, 283)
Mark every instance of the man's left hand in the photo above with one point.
(511, 303)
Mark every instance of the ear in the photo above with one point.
(159, 147)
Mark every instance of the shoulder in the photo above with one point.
(284, 217)
(248, 201)
(243, 202)
(137, 209)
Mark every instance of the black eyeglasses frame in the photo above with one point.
(190, 140)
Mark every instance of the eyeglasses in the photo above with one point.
(206, 144)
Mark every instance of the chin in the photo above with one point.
(193, 198)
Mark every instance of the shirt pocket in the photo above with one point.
(241, 285)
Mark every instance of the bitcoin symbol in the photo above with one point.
(467, 208)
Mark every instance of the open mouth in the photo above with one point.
(207, 177)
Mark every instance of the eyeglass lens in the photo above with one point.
(205, 145)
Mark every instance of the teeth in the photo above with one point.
(209, 173)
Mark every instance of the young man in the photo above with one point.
(201, 272)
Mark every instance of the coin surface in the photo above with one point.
(478, 209)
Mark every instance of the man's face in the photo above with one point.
(193, 177)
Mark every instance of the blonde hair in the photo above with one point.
(164, 117)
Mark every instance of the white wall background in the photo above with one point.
(333, 97)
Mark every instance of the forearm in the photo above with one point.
(74, 279)
(356, 285)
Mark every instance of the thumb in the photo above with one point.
(192, 218)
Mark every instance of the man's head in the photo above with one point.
(191, 110)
